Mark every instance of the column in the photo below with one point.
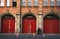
(17, 23)
(40, 15)
(40, 21)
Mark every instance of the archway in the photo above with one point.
(29, 24)
(8, 24)
(51, 24)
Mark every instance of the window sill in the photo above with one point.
(14, 7)
(2, 6)
(23, 6)
(7, 6)
(52, 6)
(48, 6)
(29, 6)
(35, 6)
(45, 6)
(57, 6)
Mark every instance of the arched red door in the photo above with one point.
(51, 24)
(29, 24)
(8, 24)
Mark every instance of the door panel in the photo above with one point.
(55, 26)
(29, 26)
(12, 25)
(8, 25)
(51, 26)
(47, 25)
(5, 25)
(25, 28)
(33, 25)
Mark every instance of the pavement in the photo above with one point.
(29, 36)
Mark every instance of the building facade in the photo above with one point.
(30, 16)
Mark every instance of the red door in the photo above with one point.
(8, 25)
(25, 26)
(33, 25)
(51, 26)
(29, 25)
(55, 26)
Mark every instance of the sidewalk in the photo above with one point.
(29, 36)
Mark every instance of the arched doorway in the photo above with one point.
(51, 24)
(29, 24)
(8, 24)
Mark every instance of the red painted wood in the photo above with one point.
(6, 23)
(55, 26)
(33, 25)
(25, 26)
(51, 26)
(12, 25)
(29, 26)
(47, 26)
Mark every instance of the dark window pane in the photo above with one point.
(14, 4)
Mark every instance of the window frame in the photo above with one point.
(29, 3)
(57, 2)
(23, 3)
(13, 3)
(8, 5)
(45, 2)
(35, 2)
(51, 2)
(1, 1)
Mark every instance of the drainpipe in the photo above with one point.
(20, 16)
